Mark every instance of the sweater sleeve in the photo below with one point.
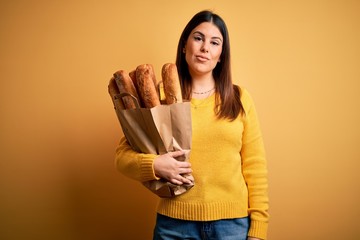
(137, 166)
(254, 170)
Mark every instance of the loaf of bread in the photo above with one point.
(172, 88)
(146, 85)
(132, 75)
(153, 76)
(126, 85)
(114, 93)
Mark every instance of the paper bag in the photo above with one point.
(158, 130)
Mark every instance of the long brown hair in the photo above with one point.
(227, 96)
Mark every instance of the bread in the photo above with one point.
(114, 92)
(142, 84)
(146, 86)
(132, 75)
(172, 88)
(153, 76)
(126, 85)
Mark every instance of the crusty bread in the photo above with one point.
(153, 76)
(146, 86)
(114, 92)
(172, 88)
(126, 85)
(132, 75)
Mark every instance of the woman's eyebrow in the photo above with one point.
(200, 33)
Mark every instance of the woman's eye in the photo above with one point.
(215, 43)
(197, 38)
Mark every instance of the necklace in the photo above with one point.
(202, 101)
(204, 92)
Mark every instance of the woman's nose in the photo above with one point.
(205, 47)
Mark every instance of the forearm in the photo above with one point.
(255, 174)
(137, 166)
(254, 169)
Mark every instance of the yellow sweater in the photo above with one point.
(229, 168)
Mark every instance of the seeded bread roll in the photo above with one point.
(146, 86)
(126, 85)
(172, 88)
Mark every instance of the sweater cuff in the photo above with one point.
(258, 229)
(147, 167)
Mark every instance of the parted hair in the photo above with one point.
(227, 95)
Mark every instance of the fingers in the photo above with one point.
(176, 154)
(176, 181)
(184, 170)
(167, 167)
(180, 180)
(177, 176)
(183, 165)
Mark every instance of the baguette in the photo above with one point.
(153, 77)
(114, 92)
(146, 86)
(172, 88)
(132, 75)
(126, 85)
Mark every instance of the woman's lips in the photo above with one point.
(201, 58)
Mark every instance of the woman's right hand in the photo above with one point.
(167, 167)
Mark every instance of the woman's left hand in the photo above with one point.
(252, 238)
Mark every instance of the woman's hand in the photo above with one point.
(167, 167)
(253, 238)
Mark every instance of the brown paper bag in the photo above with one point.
(158, 130)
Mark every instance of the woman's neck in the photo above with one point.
(202, 87)
(202, 83)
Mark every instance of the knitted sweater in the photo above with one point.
(229, 168)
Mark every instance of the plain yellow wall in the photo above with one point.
(300, 60)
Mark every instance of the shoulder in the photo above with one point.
(245, 98)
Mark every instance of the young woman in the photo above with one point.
(227, 160)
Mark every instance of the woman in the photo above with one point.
(229, 199)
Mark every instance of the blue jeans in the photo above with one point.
(167, 228)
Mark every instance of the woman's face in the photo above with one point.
(203, 49)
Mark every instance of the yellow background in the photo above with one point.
(300, 60)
